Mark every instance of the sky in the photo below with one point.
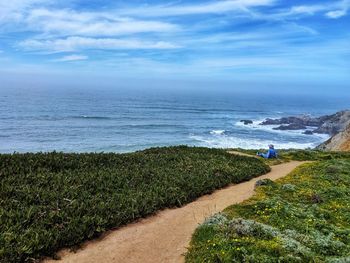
(246, 43)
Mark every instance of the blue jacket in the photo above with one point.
(272, 153)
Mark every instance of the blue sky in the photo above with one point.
(256, 42)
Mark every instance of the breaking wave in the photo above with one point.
(236, 142)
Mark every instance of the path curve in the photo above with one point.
(164, 237)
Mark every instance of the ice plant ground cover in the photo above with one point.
(304, 217)
(53, 200)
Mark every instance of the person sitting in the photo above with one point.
(271, 153)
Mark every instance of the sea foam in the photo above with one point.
(217, 132)
(244, 143)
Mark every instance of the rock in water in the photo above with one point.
(308, 132)
(246, 122)
(293, 126)
(301, 120)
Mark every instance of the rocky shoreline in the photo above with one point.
(328, 124)
(336, 125)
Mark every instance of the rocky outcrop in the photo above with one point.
(304, 120)
(292, 126)
(328, 124)
(333, 124)
(246, 122)
(339, 142)
(308, 132)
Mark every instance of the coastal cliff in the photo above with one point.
(339, 142)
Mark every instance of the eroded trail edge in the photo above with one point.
(165, 236)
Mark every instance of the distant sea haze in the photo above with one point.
(114, 121)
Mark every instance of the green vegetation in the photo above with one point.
(54, 200)
(312, 155)
(304, 217)
(298, 155)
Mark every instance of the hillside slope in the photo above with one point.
(339, 142)
(303, 217)
(53, 200)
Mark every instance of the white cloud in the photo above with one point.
(72, 58)
(341, 9)
(334, 9)
(50, 29)
(68, 22)
(336, 14)
(206, 8)
(14, 10)
(56, 30)
(307, 9)
(82, 43)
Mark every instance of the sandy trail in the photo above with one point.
(164, 237)
(243, 154)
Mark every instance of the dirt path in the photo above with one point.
(164, 237)
(240, 153)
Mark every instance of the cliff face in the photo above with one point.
(339, 142)
(333, 124)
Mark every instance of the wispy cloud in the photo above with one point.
(185, 37)
(55, 29)
(72, 58)
(341, 10)
(336, 14)
(81, 43)
(334, 9)
(69, 22)
(14, 10)
(212, 7)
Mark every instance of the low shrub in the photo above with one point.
(53, 200)
(263, 182)
(304, 217)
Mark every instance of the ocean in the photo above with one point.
(96, 120)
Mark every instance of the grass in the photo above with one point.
(304, 217)
(53, 200)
